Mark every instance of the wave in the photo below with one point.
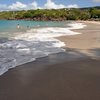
(35, 43)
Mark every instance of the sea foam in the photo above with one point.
(35, 43)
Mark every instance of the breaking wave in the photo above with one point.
(35, 43)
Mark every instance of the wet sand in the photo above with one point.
(73, 75)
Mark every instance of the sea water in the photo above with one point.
(31, 41)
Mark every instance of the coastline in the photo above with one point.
(88, 40)
(90, 22)
(33, 44)
(73, 75)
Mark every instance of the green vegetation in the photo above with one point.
(53, 15)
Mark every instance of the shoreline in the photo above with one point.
(33, 45)
(90, 22)
(83, 21)
(86, 40)
(73, 75)
(79, 34)
(52, 78)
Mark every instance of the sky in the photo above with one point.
(45, 4)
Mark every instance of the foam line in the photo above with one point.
(35, 43)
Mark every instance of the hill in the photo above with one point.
(88, 13)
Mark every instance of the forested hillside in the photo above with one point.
(92, 13)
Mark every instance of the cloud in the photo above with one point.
(96, 0)
(51, 5)
(34, 5)
(73, 6)
(17, 6)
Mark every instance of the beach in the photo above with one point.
(88, 42)
(70, 75)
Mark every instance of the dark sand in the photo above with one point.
(53, 78)
(73, 75)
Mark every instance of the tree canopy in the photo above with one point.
(92, 13)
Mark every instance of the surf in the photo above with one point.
(32, 44)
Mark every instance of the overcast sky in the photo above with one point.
(45, 4)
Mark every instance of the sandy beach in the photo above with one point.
(72, 75)
(88, 42)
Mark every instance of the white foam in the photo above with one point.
(33, 44)
(75, 25)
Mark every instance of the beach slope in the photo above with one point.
(73, 75)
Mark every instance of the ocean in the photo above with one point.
(11, 25)
(34, 39)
